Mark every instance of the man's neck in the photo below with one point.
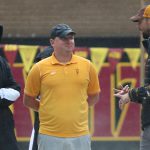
(63, 58)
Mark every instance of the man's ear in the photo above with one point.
(1, 32)
(51, 42)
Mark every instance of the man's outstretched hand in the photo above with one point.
(123, 95)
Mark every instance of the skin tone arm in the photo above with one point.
(93, 99)
(31, 102)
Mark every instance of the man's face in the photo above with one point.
(64, 44)
(144, 26)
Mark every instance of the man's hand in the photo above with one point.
(31, 102)
(124, 99)
(123, 95)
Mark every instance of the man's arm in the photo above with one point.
(93, 99)
(137, 95)
(140, 95)
(31, 102)
(9, 94)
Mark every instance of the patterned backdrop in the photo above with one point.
(115, 66)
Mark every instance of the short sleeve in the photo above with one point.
(94, 86)
(32, 86)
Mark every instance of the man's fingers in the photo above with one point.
(121, 92)
(117, 95)
(121, 86)
(126, 88)
(116, 90)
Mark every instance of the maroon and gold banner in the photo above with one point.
(114, 66)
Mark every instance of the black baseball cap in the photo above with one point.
(61, 30)
(1, 32)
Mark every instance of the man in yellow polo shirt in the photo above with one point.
(67, 85)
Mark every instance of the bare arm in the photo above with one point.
(31, 102)
(93, 99)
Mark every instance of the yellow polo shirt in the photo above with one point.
(63, 90)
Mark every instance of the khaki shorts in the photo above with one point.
(46, 142)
